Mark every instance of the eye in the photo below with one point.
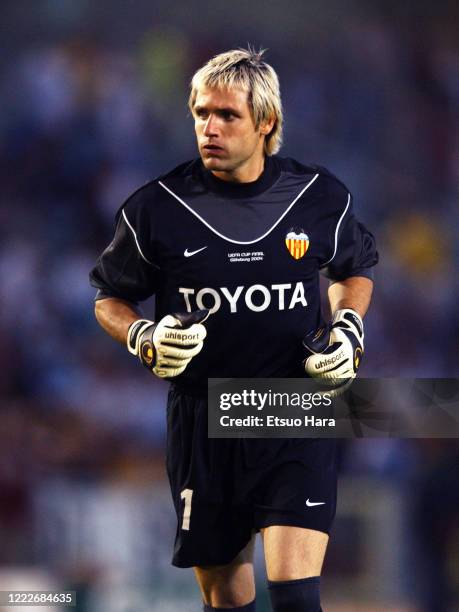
(227, 116)
(201, 113)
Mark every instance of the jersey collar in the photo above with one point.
(267, 178)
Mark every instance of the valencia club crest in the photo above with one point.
(297, 242)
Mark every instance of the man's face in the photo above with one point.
(225, 130)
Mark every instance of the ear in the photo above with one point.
(267, 126)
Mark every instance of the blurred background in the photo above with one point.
(92, 105)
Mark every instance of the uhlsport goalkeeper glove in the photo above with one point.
(335, 353)
(167, 347)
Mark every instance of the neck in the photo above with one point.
(246, 173)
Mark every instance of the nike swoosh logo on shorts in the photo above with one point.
(188, 253)
(310, 504)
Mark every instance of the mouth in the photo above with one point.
(210, 148)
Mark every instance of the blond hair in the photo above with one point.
(245, 69)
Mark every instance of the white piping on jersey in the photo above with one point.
(226, 237)
(136, 241)
(337, 230)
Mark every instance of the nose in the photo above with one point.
(210, 127)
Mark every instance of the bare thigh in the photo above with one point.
(229, 586)
(292, 553)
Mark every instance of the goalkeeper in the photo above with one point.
(232, 245)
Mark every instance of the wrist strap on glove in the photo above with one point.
(351, 323)
(350, 320)
(134, 334)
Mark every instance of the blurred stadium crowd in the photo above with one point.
(83, 122)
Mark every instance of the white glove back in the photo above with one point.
(167, 347)
(342, 357)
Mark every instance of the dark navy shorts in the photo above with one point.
(225, 489)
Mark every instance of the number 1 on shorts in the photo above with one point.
(186, 494)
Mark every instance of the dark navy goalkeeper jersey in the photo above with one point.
(249, 252)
